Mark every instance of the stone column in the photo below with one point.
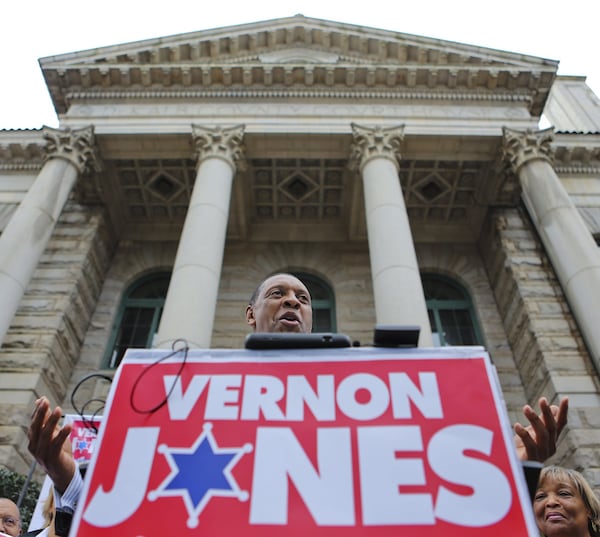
(192, 296)
(399, 297)
(568, 242)
(68, 153)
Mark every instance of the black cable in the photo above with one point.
(95, 414)
(153, 409)
(81, 412)
(90, 423)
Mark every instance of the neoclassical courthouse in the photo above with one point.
(406, 179)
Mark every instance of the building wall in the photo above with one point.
(344, 266)
(549, 353)
(43, 345)
(465, 263)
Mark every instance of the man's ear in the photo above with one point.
(250, 319)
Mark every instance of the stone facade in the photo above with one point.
(550, 356)
(359, 156)
(43, 346)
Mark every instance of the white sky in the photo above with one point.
(565, 30)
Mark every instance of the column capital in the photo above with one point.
(74, 145)
(375, 142)
(520, 147)
(218, 142)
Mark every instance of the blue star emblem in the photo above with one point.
(200, 472)
(82, 444)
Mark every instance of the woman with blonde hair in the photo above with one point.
(565, 505)
(48, 512)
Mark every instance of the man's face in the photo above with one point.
(10, 522)
(283, 305)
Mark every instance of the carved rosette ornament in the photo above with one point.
(375, 142)
(520, 147)
(75, 145)
(223, 143)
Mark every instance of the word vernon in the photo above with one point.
(360, 396)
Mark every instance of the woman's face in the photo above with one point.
(559, 509)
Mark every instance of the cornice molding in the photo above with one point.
(21, 167)
(576, 158)
(291, 93)
(577, 170)
(351, 74)
(17, 154)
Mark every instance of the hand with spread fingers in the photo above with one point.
(537, 441)
(49, 444)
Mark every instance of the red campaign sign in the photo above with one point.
(83, 436)
(341, 442)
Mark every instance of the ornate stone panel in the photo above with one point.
(155, 189)
(297, 189)
(442, 191)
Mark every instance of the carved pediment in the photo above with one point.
(298, 34)
(298, 55)
(296, 51)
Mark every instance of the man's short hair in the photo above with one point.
(254, 296)
(258, 289)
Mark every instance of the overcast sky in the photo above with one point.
(559, 30)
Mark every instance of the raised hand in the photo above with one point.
(537, 441)
(49, 444)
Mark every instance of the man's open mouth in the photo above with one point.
(289, 317)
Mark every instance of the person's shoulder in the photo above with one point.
(40, 533)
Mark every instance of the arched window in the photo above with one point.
(137, 320)
(450, 312)
(323, 302)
